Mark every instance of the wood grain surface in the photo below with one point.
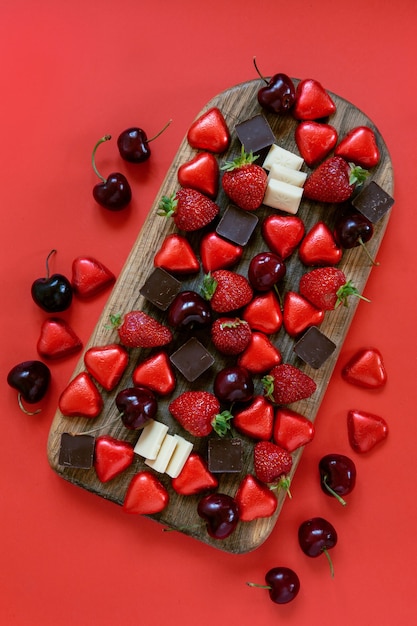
(237, 104)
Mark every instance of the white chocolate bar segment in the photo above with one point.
(282, 196)
(282, 156)
(181, 453)
(287, 175)
(164, 455)
(150, 440)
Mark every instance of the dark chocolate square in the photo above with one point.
(160, 288)
(225, 456)
(314, 347)
(255, 135)
(373, 202)
(237, 225)
(76, 451)
(192, 359)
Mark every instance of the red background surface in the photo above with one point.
(71, 72)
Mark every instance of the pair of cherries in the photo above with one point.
(114, 192)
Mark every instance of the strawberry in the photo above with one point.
(195, 477)
(283, 233)
(190, 209)
(319, 247)
(139, 330)
(260, 355)
(155, 373)
(145, 495)
(111, 457)
(106, 364)
(218, 253)
(365, 430)
(334, 180)
(226, 290)
(365, 369)
(300, 314)
(198, 413)
(255, 499)
(263, 313)
(209, 132)
(271, 462)
(176, 256)
(286, 383)
(292, 430)
(244, 182)
(360, 147)
(200, 173)
(90, 277)
(312, 102)
(230, 335)
(57, 339)
(327, 288)
(314, 141)
(256, 420)
(81, 398)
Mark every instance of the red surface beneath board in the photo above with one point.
(74, 72)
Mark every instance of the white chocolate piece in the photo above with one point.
(277, 154)
(282, 196)
(287, 175)
(150, 440)
(164, 455)
(181, 453)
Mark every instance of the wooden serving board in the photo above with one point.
(237, 104)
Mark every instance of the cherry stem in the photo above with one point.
(333, 493)
(257, 69)
(19, 400)
(160, 132)
(93, 430)
(360, 240)
(47, 262)
(259, 586)
(329, 558)
(93, 156)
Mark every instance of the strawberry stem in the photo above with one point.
(346, 290)
(243, 159)
(357, 175)
(167, 206)
(268, 384)
(221, 424)
(208, 287)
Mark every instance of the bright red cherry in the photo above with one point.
(337, 475)
(137, 405)
(53, 293)
(189, 311)
(233, 384)
(133, 144)
(265, 270)
(282, 583)
(221, 513)
(114, 192)
(31, 379)
(278, 96)
(317, 536)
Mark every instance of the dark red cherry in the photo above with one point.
(233, 384)
(137, 405)
(337, 475)
(353, 229)
(317, 536)
(221, 513)
(133, 144)
(189, 311)
(282, 583)
(31, 379)
(278, 95)
(52, 293)
(114, 192)
(265, 270)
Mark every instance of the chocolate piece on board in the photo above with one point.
(160, 288)
(192, 359)
(76, 451)
(237, 225)
(373, 202)
(224, 455)
(314, 347)
(256, 135)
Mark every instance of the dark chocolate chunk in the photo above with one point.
(192, 359)
(373, 202)
(160, 288)
(237, 225)
(76, 451)
(225, 456)
(256, 136)
(314, 347)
